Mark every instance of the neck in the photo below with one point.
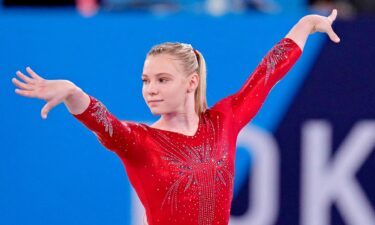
(186, 121)
(181, 122)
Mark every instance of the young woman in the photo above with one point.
(182, 166)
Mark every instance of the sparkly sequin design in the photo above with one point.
(188, 180)
(276, 55)
(204, 167)
(100, 113)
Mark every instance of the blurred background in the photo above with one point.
(307, 158)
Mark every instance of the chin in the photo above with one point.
(159, 112)
(155, 112)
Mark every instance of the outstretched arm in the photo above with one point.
(52, 91)
(244, 104)
(310, 24)
(112, 133)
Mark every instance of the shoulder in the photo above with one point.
(132, 126)
(222, 106)
(214, 114)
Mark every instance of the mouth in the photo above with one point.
(154, 101)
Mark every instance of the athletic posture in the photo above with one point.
(182, 166)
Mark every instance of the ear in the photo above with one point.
(193, 82)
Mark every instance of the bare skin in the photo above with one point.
(177, 106)
(178, 116)
(311, 24)
(56, 91)
(164, 79)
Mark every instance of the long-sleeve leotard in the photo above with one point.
(188, 180)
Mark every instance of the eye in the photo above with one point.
(144, 80)
(163, 80)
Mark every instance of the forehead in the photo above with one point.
(161, 64)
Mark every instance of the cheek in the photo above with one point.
(175, 91)
(143, 92)
(180, 87)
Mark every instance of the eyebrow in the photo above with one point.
(158, 75)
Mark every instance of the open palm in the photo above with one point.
(34, 86)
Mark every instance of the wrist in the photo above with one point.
(73, 90)
(76, 100)
(308, 22)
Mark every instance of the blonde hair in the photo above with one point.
(192, 61)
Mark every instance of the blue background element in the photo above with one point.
(55, 171)
(339, 90)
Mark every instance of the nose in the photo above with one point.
(152, 89)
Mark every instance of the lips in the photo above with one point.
(155, 101)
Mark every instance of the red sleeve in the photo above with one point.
(244, 104)
(116, 135)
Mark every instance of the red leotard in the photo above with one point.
(188, 180)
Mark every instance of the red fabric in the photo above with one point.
(188, 180)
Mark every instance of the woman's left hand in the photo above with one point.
(313, 23)
(324, 24)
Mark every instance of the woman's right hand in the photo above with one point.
(52, 91)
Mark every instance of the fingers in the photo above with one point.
(333, 36)
(45, 110)
(26, 89)
(24, 77)
(333, 16)
(25, 93)
(47, 107)
(22, 85)
(33, 74)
